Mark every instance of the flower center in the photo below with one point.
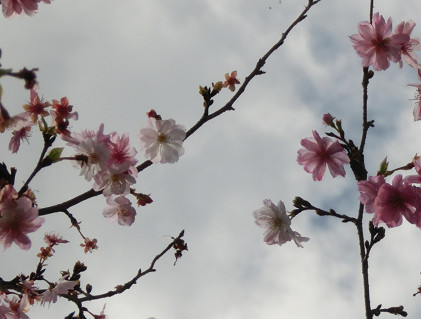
(162, 139)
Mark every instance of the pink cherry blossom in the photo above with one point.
(376, 45)
(121, 209)
(369, 190)
(408, 48)
(115, 180)
(36, 107)
(319, 152)
(277, 224)
(8, 192)
(93, 145)
(231, 81)
(162, 140)
(53, 239)
(60, 288)
(396, 200)
(19, 135)
(18, 218)
(11, 7)
(121, 153)
(327, 119)
(17, 309)
(62, 109)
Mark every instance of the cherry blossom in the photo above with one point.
(90, 245)
(59, 288)
(115, 180)
(94, 146)
(162, 140)
(16, 309)
(319, 152)
(11, 7)
(121, 153)
(376, 45)
(18, 218)
(327, 119)
(19, 135)
(53, 239)
(277, 224)
(408, 48)
(369, 190)
(231, 81)
(396, 200)
(36, 107)
(120, 209)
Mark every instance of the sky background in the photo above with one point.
(116, 61)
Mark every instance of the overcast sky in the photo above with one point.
(117, 60)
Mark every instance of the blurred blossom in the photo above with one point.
(231, 81)
(328, 119)
(11, 7)
(18, 218)
(60, 288)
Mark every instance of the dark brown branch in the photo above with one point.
(140, 273)
(256, 71)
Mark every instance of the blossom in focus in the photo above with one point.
(162, 140)
(59, 288)
(396, 200)
(36, 107)
(319, 152)
(11, 7)
(18, 218)
(369, 190)
(120, 209)
(277, 224)
(408, 48)
(115, 181)
(121, 153)
(375, 43)
(231, 81)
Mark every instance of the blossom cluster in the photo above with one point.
(391, 202)
(110, 161)
(22, 123)
(16, 305)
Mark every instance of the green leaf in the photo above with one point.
(55, 154)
